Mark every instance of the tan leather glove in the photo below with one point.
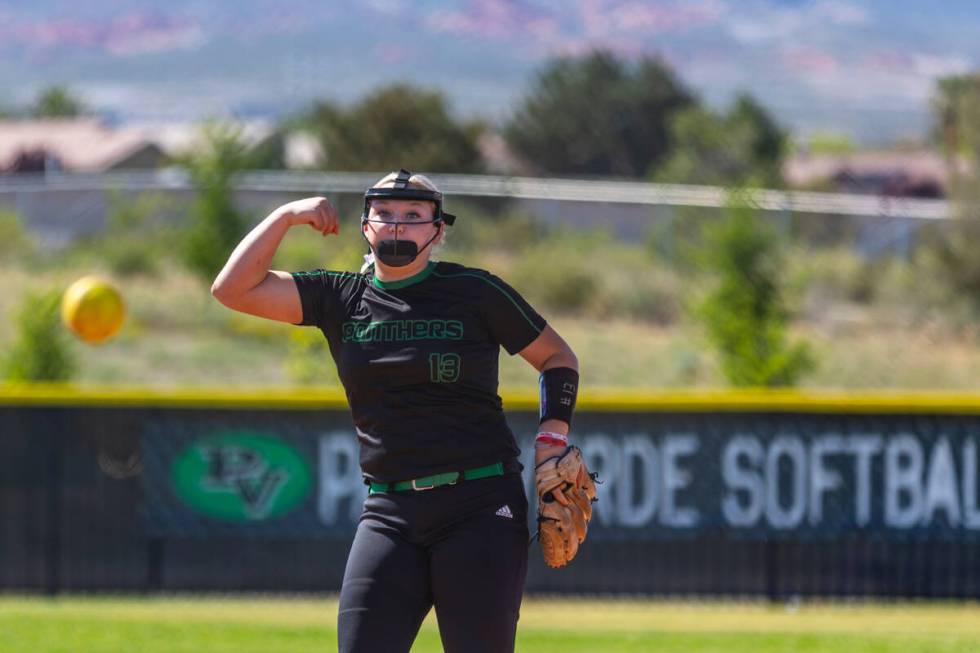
(566, 491)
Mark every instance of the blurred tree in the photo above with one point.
(954, 106)
(42, 350)
(745, 147)
(956, 109)
(745, 314)
(954, 246)
(215, 225)
(57, 102)
(597, 115)
(398, 126)
(269, 153)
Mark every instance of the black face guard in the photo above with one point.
(393, 252)
(401, 191)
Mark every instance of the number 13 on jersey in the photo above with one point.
(444, 368)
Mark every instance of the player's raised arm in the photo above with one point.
(246, 283)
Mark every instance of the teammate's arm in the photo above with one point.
(549, 351)
(246, 283)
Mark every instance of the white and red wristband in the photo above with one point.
(549, 439)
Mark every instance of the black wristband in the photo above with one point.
(559, 388)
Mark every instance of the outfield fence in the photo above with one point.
(709, 494)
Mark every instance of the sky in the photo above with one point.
(863, 69)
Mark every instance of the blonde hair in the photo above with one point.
(419, 182)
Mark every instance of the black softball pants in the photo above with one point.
(452, 547)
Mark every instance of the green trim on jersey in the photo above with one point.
(505, 293)
(402, 283)
(315, 273)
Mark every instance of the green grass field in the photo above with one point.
(299, 625)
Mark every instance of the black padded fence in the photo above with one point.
(705, 499)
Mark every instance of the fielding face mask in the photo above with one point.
(395, 252)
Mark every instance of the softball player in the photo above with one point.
(416, 344)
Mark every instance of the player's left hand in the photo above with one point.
(566, 491)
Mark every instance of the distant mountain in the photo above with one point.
(861, 68)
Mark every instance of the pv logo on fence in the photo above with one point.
(241, 476)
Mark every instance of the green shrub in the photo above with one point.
(255, 328)
(634, 286)
(302, 250)
(676, 236)
(744, 312)
(309, 360)
(956, 255)
(16, 243)
(837, 275)
(480, 231)
(557, 274)
(134, 243)
(41, 350)
(571, 273)
(305, 249)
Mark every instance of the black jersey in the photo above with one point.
(418, 359)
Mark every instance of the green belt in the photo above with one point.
(437, 480)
